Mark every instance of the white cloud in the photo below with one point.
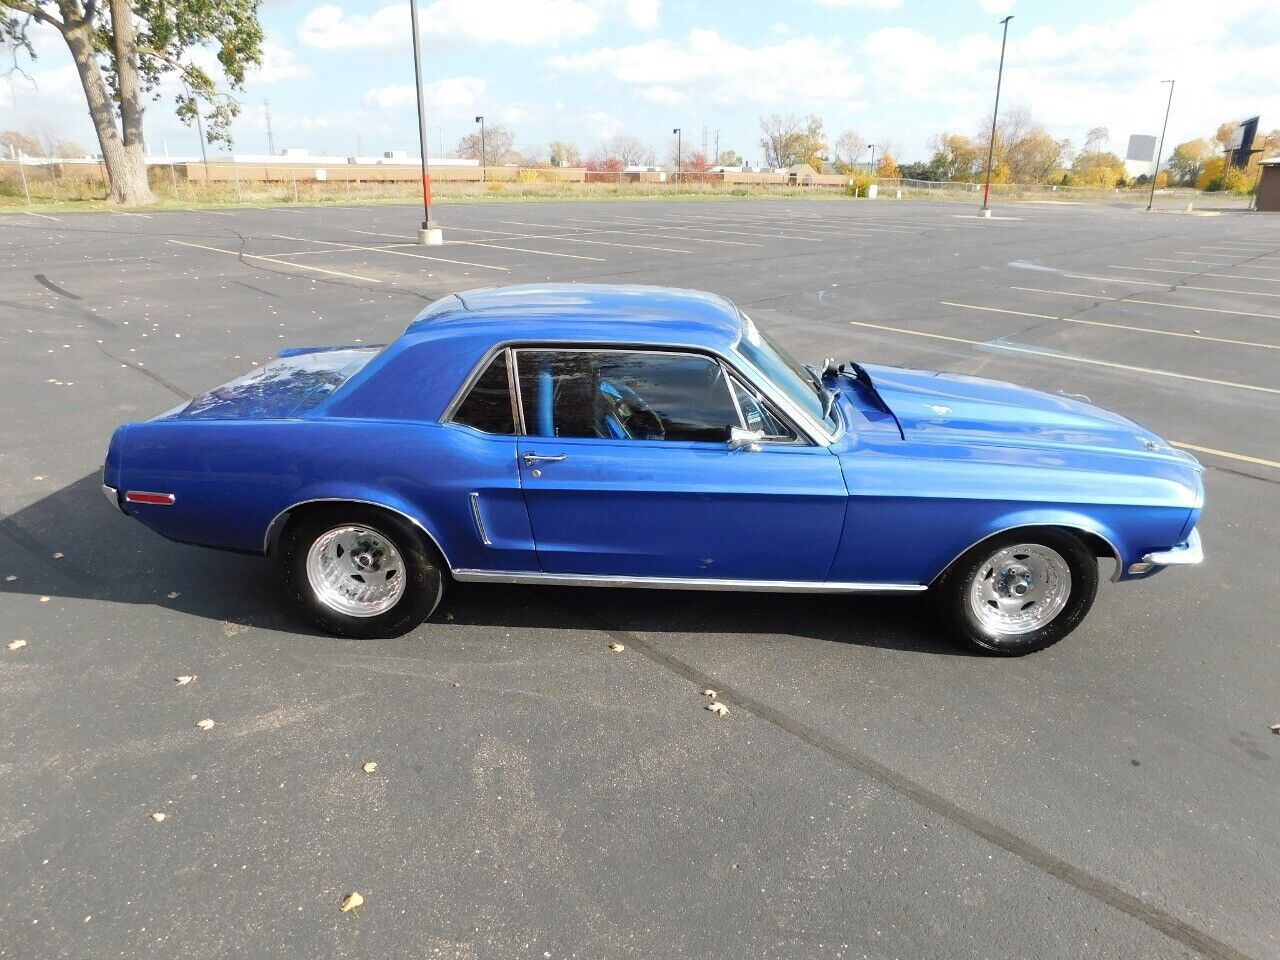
(278, 63)
(866, 4)
(450, 98)
(643, 13)
(521, 23)
(707, 66)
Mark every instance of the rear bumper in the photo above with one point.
(1187, 553)
(113, 497)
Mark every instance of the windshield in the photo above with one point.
(787, 373)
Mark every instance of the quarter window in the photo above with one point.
(625, 395)
(488, 406)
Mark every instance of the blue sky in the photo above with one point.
(339, 73)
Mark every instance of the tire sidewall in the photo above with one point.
(958, 615)
(424, 574)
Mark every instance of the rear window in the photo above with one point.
(487, 407)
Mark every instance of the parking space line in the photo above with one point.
(546, 253)
(395, 253)
(602, 243)
(42, 216)
(1181, 273)
(1167, 286)
(667, 224)
(1241, 276)
(1226, 453)
(1224, 276)
(1054, 355)
(287, 263)
(1153, 303)
(1117, 326)
(664, 236)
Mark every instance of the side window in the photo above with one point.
(488, 406)
(758, 415)
(625, 395)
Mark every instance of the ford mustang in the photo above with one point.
(628, 436)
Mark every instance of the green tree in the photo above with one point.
(123, 50)
(565, 154)
(788, 140)
(956, 157)
(729, 158)
(1187, 161)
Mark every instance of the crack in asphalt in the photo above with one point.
(1092, 886)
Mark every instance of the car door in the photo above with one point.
(627, 471)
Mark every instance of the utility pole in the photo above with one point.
(873, 158)
(480, 120)
(991, 150)
(1160, 149)
(430, 233)
(271, 140)
(704, 139)
(716, 161)
(679, 152)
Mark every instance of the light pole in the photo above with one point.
(1160, 149)
(991, 150)
(679, 152)
(429, 234)
(872, 171)
(480, 120)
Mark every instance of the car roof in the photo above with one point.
(600, 313)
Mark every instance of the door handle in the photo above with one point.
(531, 458)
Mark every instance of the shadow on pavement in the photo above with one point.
(109, 557)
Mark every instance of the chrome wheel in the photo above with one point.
(1020, 589)
(356, 570)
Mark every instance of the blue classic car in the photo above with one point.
(628, 436)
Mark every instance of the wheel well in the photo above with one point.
(1096, 544)
(290, 515)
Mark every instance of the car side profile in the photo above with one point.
(630, 436)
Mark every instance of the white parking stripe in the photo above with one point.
(1224, 276)
(1154, 303)
(42, 216)
(1226, 453)
(395, 253)
(1117, 326)
(1180, 286)
(603, 243)
(663, 236)
(286, 263)
(666, 223)
(546, 253)
(1054, 355)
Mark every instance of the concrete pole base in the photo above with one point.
(430, 236)
(985, 214)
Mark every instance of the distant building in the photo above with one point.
(1140, 158)
(1268, 197)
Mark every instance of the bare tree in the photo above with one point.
(498, 141)
(565, 154)
(849, 147)
(626, 150)
(1096, 140)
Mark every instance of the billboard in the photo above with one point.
(1242, 142)
(1141, 148)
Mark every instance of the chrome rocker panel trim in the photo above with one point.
(680, 583)
(1184, 554)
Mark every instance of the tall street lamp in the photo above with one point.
(991, 150)
(1160, 149)
(480, 120)
(429, 234)
(679, 152)
(872, 171)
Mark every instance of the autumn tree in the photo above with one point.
(788, 140)
(847, 150)
(627, 150)
(1027, 149)
(497, 145)
(696, 168)
(956, 157)
(887, 167)
(11, 142)
(1187, 161)
(565, 154)
(124, 50)
(729, 158)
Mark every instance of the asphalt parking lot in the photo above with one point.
(872, 792)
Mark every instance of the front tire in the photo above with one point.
(1019, 592)
(357, 571)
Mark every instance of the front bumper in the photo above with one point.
(1184, 554)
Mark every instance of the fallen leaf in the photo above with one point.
(11, 577)
(158, 817)
(369, 767)
(17, 644)
(710, 693)
(616, 647)
(1275, 727)
(350, 902)
(59, 555)
(183, 680)
(44, 599)
(173, 594)
(718, 708)
(205, 724)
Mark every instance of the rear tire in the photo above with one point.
(1018, 592)
(357, 571)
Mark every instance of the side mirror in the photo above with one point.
(749, 440)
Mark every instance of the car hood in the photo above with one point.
(955, 407)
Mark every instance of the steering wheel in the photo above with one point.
(628, 413)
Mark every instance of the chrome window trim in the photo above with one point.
(474, 499)
(472, 379)
(532, 578)
(818, 432)
(799, 438)
(273, 528)
(1119, 572)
